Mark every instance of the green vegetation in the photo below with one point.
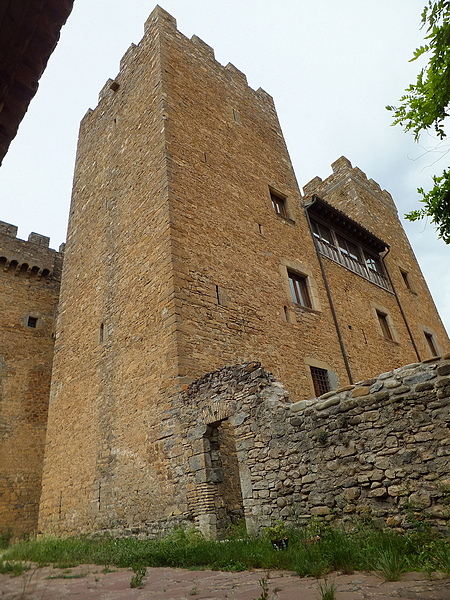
(140, 571)
(425, 106)
(13, 568)
(313, 551)
(5, 538)
(327, 590)
(278, 531)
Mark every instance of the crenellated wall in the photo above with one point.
(30, 274)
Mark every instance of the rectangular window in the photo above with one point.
(431, 345)
(321, 380)
(321, 232)
(384, 324)
(32, 322)
(348, 248)
(278, 204)
(299, 289)
(373, 263)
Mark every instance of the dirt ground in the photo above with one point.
(89, 582)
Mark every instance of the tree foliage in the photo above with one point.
(425, 106)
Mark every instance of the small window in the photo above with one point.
(321, 381)
(278, 204)
(373, 263)
(405, 278)
(322, 233)
(384, 324)
(431, 345)
(299, 289)
(348, 248)
(32, 322)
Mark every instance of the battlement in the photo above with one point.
(342, 169)
(32, 258)
(159, 18)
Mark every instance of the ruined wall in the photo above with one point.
(30, 274)
(378, 449)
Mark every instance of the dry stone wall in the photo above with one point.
(378, 449)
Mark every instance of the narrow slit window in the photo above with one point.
(431, 345)
(299, 289)
(321, 380)
(384, 324)
(405, 278)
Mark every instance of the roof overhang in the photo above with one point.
(338, 219)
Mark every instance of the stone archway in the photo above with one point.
(220, 412)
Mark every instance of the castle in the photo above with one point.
(190, 248)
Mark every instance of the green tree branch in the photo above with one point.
(425, 105)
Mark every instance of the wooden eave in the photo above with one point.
(327, 213)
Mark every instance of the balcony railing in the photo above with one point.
(352, 264)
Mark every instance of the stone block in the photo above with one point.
(443, 369)
(420, 499)
(360, 391)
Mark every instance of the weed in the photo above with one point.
(107, 569)
(327, 590)
(5, 539)
(13, 568)
(277, 531)
(140, 571)
(265, 590)
(391, 565)
(67, 576)
(193, 591)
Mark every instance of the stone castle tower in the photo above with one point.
(190, 248)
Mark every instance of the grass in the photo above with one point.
(137, 580)
(327, 590)
(363, 548)
(5, 538)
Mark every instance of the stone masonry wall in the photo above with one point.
(348, 189)
(378, 449)
(30, 274)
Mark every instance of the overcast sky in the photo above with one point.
(331, 65)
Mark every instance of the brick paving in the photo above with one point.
(89, 582)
